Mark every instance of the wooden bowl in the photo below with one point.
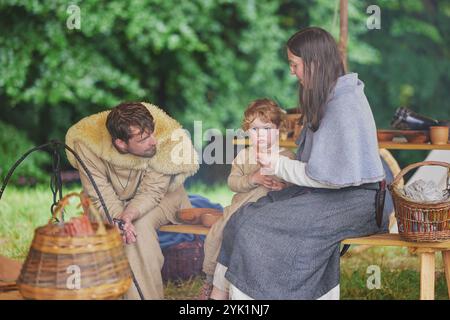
(385, 136)
(193, 215)
(418, 138)
(208, 219)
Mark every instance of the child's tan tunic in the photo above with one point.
(243, 166)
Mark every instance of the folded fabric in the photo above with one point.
(426, 191)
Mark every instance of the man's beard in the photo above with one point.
(149, 153)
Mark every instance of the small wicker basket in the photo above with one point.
(55, 260)
(420, 221)
(183, 260)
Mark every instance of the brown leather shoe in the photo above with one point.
(205, 291)
(193, 215)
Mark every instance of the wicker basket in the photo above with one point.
(56, 259)
(418, 221)
(183, 260)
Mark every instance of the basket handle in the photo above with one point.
(418, 164)
(86, 203)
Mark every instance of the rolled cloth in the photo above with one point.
(343, 151)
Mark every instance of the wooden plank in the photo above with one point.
(412, 146)
(393, 239)
(289, 143)
(386, 239)
(393, 145)
(185, 228)
(427, 276)
(9, 291)
(11, 295)
(446, 260)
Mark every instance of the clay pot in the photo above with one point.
(445, 123)
(439, 134)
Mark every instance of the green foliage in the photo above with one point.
(13, 144)
(207, 59)
(22, 210)
(190, 57)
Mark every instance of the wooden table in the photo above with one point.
(393, 145)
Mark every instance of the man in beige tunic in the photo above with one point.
(129, 151)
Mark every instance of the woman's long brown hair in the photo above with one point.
(322, 67)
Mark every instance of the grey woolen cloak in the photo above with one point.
(286, 245)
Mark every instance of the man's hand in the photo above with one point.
(129, 234)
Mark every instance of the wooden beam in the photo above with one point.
(343, 34)
(427, 276)
(394, 239)
(185, 228)
(446, 260)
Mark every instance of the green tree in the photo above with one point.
(206, 59)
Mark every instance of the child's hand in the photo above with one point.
(260, 179)
(277, 185)
(267, 160)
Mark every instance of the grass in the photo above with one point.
(400, 277)
(217, 193)
(24, 209)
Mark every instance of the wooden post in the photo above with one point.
(427, 269)
(343, 35)
(446, 260)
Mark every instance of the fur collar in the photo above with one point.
(92, 133)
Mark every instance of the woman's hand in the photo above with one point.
(267, 181)
(267, 161)
(259, 179)
(277, 185)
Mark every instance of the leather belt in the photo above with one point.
(380, 196)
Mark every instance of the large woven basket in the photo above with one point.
(56, 260)
(419, 221)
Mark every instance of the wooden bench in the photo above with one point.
(426, 251)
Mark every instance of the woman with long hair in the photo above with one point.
(287, 244)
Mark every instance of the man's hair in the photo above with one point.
(125, 115)
(265, 109)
